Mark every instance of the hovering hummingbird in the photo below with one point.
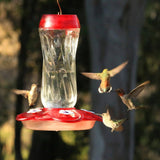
(105, 76)
(31, 94)
(115, 125)
(127, 98)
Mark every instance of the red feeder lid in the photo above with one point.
(55, 21)
(55, 119)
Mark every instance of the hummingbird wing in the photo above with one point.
(117, 69)
(135, 92)
(119, 122)
(108, 114)
(95, 76)
(21, 92)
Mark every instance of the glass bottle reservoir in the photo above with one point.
(59, 45)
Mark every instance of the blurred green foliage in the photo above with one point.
(148, 122)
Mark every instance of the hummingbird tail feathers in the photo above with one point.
(119, 129)
(140, 107)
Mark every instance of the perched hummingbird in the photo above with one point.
(115, 125)
(31, 94)
(127, 98)
(105, 76)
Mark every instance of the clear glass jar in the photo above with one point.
(59, 45)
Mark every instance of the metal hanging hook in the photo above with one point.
(60, 10)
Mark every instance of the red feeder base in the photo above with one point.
(58, 119)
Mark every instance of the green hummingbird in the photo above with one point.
(127, 98)
(31, 94)
(105, 76)
(115, 125)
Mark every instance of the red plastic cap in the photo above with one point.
(55, 21)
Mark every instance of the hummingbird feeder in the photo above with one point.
(59, 36)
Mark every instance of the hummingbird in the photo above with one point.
(105, 76)
(127, 98)
(31, 94)
(115, 125)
